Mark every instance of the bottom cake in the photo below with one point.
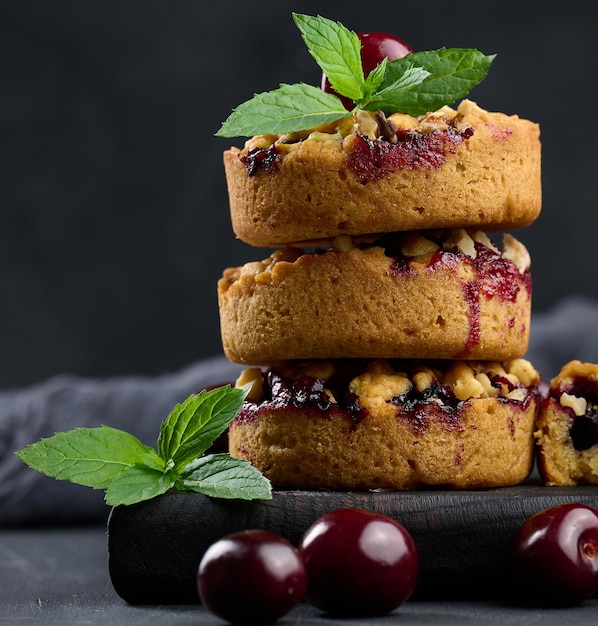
(385, 424)
(567, 432)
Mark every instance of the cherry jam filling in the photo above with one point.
(373, 160)
(418, 408)
(584, 429)
(307, 393)
(495, 277)
(438, 403)
(435, 403)
(261, 158)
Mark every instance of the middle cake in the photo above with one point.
(434, 294)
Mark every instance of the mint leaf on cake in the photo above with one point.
(129, 471)
(452, 74)
(284, 110)
(337, 51)
(357, 75)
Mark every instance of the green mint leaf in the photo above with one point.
(288, 109)
(221, 476)
(418, 83)
(374, 79)
(194, 425)
(88, 456)
(130, 472)
(391, 97)
(337, 51)
(454, 72)
(138, 483)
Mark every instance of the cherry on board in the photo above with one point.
(358, 563)
(251, 577)
(554, 556)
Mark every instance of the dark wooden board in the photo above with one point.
(463, 537)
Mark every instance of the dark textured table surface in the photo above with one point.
(60, 576)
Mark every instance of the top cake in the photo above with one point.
(372, 173)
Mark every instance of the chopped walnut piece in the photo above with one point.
(515, 251)
(342, 243)
(403, 121)
(578, 405)
(482, 238)
(251, 376)
(384, 386)
(460, 238)
(320, 136)
(460, 376)
(415, 244)
(490, 390)
(424, 379)
(366, 124)
(524, 371)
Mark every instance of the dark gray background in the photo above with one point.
(114, 224)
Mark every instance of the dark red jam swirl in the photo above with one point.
(373, 160)
(584, 428)
(438, 403)
(495, 277)
(306, 393)
(261, 158)
(418, 408)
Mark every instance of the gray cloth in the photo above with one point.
(136, 404)
(139, 404)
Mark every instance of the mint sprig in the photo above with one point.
(284, 110)
(129, 471)
(416, 84)
(337, 51)
(453, 72)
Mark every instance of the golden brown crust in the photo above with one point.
(481, 442)
(490, 180)
(363, 303)
(573, 394)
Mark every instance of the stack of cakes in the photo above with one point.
(384, 336)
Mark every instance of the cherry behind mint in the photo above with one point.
(375, 47)
(358, 563)
(554, 556)
(251, 577)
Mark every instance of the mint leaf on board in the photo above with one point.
(129, 471)
(337, 51)
(220, 476)
(193, 426)
(454, 72)
(416, 84)
(88, 456)
(287, 109)
(138, 483)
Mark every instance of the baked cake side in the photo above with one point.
(567, 427)
(463, 167)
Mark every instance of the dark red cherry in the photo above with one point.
(374, 48)
(251, 577)
(358, 563)
(554, 556)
